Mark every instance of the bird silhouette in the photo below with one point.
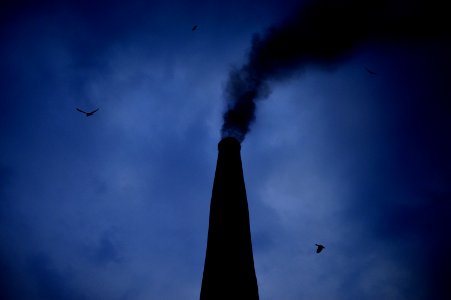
(88, 113)
(194, 27)
(370, 71)
(320, 248)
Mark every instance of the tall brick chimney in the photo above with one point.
(229, 264)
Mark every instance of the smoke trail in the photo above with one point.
(322, 32)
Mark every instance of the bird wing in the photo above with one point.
(320, 248)
(369, 71)
(94, 111)
(81, 111)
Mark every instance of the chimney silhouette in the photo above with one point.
(229, 264)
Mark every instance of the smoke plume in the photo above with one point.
(322, 32)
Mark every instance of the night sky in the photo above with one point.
(116, 206)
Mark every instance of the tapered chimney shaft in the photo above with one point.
(229, 264)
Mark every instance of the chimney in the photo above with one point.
(229, 264)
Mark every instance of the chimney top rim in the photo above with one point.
(229, 142)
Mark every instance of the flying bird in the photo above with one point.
(320, 248)
(88, 113)
(194, 28)
(370, 71)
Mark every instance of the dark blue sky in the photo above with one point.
(115, 206)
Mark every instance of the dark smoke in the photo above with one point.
(323, 32)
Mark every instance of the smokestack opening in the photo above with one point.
(229, 271)
(229, 143)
